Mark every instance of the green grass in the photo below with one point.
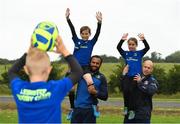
(10, 116)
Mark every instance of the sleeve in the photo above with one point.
(119, 48)
(62, 87)
(103, 91)
(95, 38)
(72, 28)
(17, 66)
(150, 88)
(146, 47)
(76, 70)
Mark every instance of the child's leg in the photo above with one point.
(131, 99)
(91, 89)
(87, 77)
(96, 107)
(71, 99)
(125, 89)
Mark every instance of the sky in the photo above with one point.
(159, 20)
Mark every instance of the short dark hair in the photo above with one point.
(133, 39)
(97, 56)
(85, 28)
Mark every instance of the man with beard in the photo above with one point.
(86, 97)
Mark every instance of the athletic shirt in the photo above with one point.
(40, 102)
(83, 49)
(134, 60)
(86, 100)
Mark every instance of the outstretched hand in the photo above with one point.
(141, 36)
(124, 37)
(99, 16)
(67, 13)
(60, 47)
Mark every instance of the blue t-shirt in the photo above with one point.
(40, 102)
(83, 50)
(134, 60)
(83, 98)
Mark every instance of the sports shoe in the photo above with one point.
(131, 115)
(125, 111)
(69, 115)
(96, 113)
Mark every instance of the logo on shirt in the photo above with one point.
(135, 54)
(28, 95)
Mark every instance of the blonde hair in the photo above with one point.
(37, 61)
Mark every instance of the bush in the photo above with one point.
(115, 80)
(161, 76)
(174, 79)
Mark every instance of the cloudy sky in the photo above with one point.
(159, 20)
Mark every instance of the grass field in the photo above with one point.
(10, 116)
(109, 114)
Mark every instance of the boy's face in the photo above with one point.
(132, 45)
(85, 34)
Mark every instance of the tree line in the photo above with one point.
(155, 57)
(168, 81)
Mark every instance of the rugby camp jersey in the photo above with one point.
(39, 102)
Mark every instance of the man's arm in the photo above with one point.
(103, 91)
(70, 23)
(150, 88)
(17, 66)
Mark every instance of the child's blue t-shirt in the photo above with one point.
(40, 102)
(83, 50)
(134, 61)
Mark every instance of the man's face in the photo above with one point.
(147, 68)
(85, 34)
(95, 64)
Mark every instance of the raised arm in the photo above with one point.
(141, 36)
(76, 70)
(99, 19)
(17, 66)
(70, 23)
(119, 46)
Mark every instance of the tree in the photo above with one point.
(109, 59)
(173, 79)
(114, 85)
(161, 76)
(56, 73)
(156, 57)
(174, 57)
